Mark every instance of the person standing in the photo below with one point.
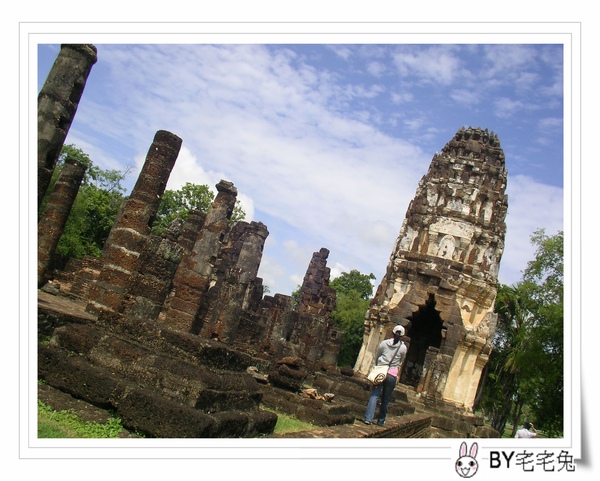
(527, 431)
(389, 352)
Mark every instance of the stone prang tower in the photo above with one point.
(441, 281)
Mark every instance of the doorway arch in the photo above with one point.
(425, 333)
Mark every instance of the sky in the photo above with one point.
(326, 142)
(326, 137)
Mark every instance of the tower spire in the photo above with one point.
(441, 281)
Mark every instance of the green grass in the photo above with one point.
(289, 424)
(66, 424)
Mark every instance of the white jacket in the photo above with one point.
(386, 350)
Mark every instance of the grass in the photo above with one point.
(289, 424)
(66, 424)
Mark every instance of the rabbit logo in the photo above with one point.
(466, 465)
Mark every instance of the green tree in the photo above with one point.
(91, 218)
(67, 151)
(525, 372)
(94, 209)
(354, 281)
(501, 400)
(542, 355)
(177, 204)
(353, 293)
(296, 296)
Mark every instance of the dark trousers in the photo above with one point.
(385, 390)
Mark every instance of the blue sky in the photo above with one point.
(326, 142)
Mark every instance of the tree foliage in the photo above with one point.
(353, 292)
(177, 204)
(94, 209)
(501, 399)
(98, 201)
(354, 281)
(525, 372)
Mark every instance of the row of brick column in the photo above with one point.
(200, 276)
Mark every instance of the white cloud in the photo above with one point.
(465, 96)
(295, 280)
(188, 169)
(401, 97)
(436, 64)
(376, 68)
(341, 51)
(505, 107)
(531, 206)
(503, 62)
(271, 272)
(337, 269)
(295, 253)
(320, 167)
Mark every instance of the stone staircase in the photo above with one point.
(447, 421)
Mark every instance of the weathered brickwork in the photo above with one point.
(270, 325)
(441, 280)
(201, 275)
(235, 271)
(57, 104)
(54, 218)
(129, 235)
(315, 296)
(152, 281)
(195, 272)
(282, 329)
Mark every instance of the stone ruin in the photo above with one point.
(174, 332)
(195, 283)
(441, 281)
(171, 324)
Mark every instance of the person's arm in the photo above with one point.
(401, 353)
(378, 352)
(534, 431)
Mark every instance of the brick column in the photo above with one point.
(316, 297)
(52, 223)
(129, 234)
(193, 276)
(190, 229)
(236, 269)
(57, 103)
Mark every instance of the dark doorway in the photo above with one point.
(425, 332)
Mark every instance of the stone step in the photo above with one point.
(143, 408)
(409, 426)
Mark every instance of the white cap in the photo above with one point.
(398, 329)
